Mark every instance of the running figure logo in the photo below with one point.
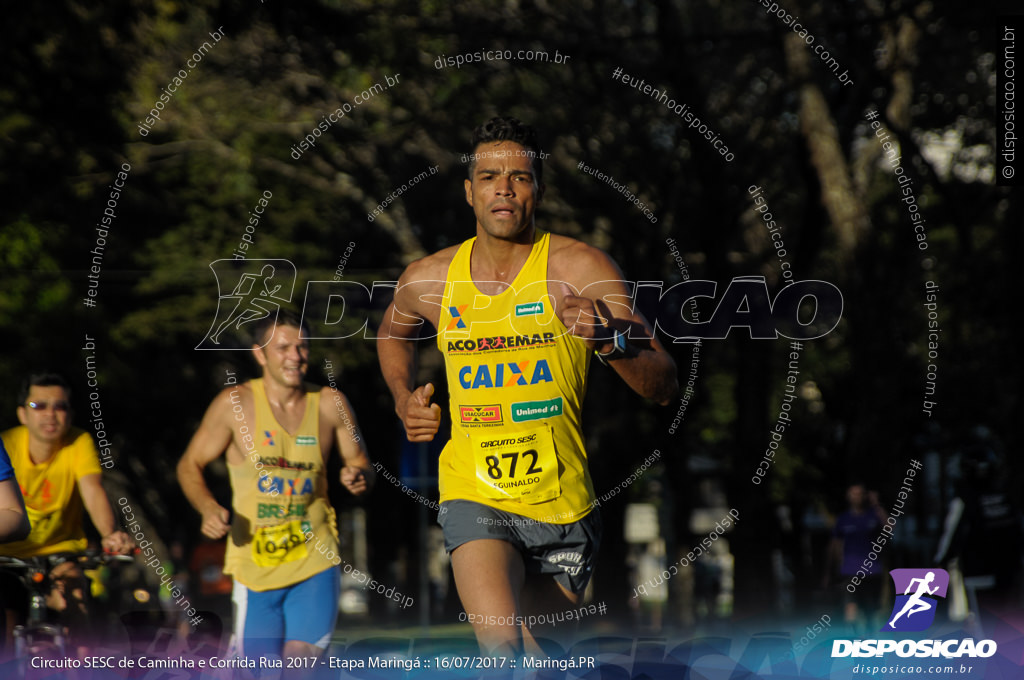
(914, 610)
(260, 288)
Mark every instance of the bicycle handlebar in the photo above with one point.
(90, 557)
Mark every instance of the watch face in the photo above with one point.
(620, 342)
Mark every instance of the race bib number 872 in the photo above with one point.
(521, 466)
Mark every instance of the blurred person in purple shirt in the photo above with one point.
(852, 535)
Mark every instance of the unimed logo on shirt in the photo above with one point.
(530, 309)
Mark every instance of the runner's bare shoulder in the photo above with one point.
(422, 284)
(230, 397)
(433, 267)
(577, 263)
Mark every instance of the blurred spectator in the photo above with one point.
(851, 542)
(982, 533)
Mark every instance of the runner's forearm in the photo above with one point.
(96, 504)
(190, 477)
(398, 366)
(651, 374)
(14, 525)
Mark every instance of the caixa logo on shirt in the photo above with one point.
(504, 374)
(288, 487)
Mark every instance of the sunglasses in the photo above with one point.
(43, 405)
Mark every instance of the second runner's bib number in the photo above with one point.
(276, 545)
(520, 467)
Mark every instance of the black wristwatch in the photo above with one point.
(621, 349)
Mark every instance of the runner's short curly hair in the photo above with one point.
(501, 129)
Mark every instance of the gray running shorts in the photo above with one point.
(565, 550)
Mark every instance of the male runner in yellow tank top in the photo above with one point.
(518, 313)
(277, 432)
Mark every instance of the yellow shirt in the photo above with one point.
(54, 505)
(517, 381)
(268, 546)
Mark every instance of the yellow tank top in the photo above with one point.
(278, 539)
(52, 501)
(517, 381)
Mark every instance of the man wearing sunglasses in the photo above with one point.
(58, 469)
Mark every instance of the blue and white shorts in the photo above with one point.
(305, 611)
